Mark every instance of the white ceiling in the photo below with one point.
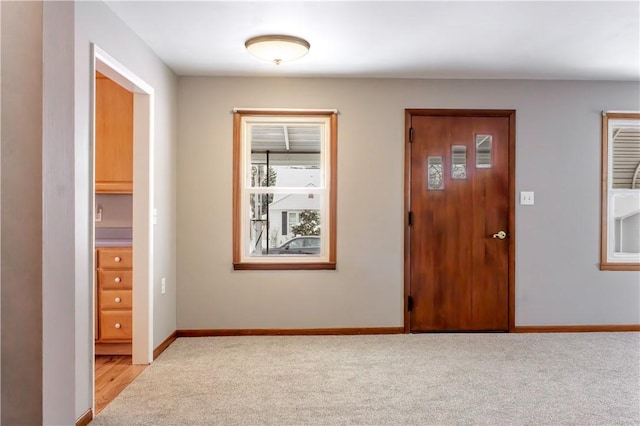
(415, 39)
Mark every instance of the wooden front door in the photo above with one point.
(460, 219)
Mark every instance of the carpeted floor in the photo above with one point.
(422, 379)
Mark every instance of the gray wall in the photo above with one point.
(21, 204)
(95, 22)
(557, 246)
(45, 202)
(117, 210)
(58, 262)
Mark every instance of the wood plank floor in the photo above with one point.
(113, 374)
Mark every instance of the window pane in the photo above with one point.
(435, 176)
(299, 235)
(626, 157)
(483, 151)
(626, 223)
(458, 162)
(285, 155)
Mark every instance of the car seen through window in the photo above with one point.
(296, 246)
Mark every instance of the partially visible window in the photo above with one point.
(284, 189)
(293, 220)
(620, 224)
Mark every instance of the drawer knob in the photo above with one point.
(117, 259)
(118, 279)
(117, 300)
(118, 325)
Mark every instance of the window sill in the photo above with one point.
(299, 266)
(620, 266)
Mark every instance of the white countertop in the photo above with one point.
(113, 237)
(106, 242)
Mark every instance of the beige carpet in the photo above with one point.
(424, 379)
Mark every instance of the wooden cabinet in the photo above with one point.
(114, 137)
(114, 300)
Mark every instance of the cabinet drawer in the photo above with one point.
(115, 258)
(115, 299)
(115, 325)
(115, 280)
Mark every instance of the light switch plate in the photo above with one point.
(526, 198)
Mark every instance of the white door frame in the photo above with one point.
(143, 95)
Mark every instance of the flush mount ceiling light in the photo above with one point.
(277, 48)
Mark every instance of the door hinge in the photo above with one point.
(410, 218)
(411, 134)
(409, 303)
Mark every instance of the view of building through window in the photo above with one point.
(278, 218)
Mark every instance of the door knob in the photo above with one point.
(500, 235)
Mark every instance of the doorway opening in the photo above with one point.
(460, 220)
(129, 273)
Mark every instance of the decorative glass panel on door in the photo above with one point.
(483, 151)
(458, 162)
(435, 173)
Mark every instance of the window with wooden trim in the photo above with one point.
(284, 189)
(620, 210)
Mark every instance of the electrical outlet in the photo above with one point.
(99, 213)
(526, 198)
(164, 285)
